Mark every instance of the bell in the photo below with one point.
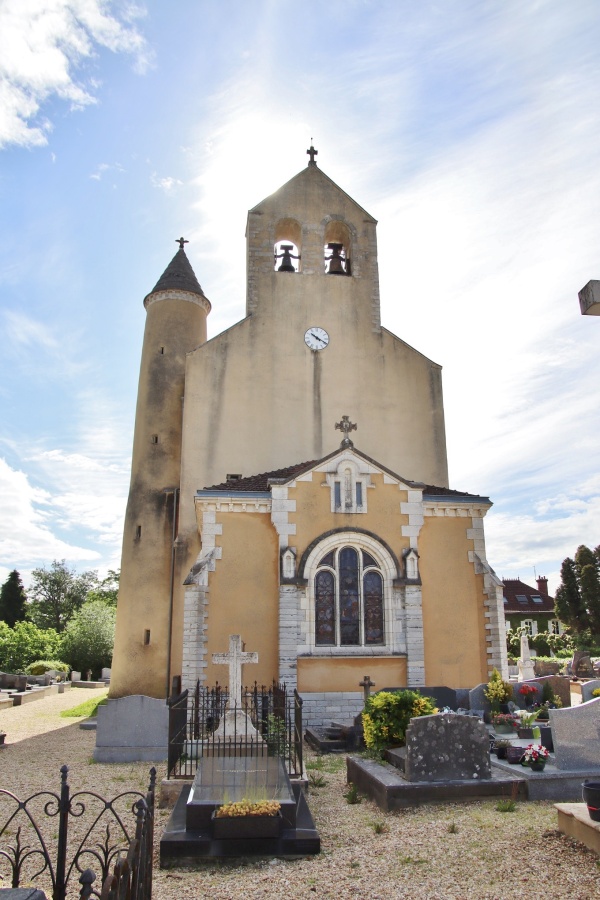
(286, 258)
(336, 263)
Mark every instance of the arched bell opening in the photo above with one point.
(286, 252)
(337, 249)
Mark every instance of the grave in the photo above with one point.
(234, 765)
(447, 747)
(526, 670)
(576, 734)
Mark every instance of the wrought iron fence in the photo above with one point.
(114, 840)
(265, 722)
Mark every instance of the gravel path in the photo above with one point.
(450, 851)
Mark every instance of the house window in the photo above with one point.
(348, 587)
(554, 626)
(528, 625)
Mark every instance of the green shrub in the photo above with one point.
(387, 714)
(41, 666)
(26, 643)
(497, 691)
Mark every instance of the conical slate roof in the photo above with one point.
(178, 276)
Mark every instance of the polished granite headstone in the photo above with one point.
(447, 747)
(576, 734)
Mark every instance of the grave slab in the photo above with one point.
(132, 728)
(447, 747)
(574, 820)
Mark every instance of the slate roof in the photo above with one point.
(515, 588)
(261, 482)
(178, 276)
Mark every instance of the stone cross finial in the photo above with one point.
(312, 153)
(235, 659)
(346, 426)
(366, 684)
(181, 241)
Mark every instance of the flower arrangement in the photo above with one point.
(526, 719)
(528, 692)
(596, 692)
(497, 690)
(534, 753)
(248, 808)
(506, 719)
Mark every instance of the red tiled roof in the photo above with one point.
(261, 482)
(514, 587)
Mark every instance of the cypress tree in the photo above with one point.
(13, 601)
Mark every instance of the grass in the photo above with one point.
(352, 796)
(86, 709)
(506, 805)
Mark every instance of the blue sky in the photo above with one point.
(469, 129)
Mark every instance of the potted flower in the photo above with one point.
(504, 723)
(535, 756)
(526, 727)
(528, 692)
(497, 692)
(501, 746)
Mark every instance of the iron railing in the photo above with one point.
(265, 722)
(115, 842)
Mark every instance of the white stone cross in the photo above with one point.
(235, 659)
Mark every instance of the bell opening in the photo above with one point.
(286, 257)
(336, 263)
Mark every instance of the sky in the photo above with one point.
(470, 129)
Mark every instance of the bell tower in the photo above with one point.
(176, 312)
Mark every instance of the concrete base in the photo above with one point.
(391, 791)
(574, 820)
(552, 783)
(92, 685)
(132, 728)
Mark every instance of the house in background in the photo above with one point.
(532, 607)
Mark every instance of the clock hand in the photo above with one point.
(317, 338)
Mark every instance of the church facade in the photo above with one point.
(289, 481)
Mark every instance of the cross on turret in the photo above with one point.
(346, 426)
(181, 241)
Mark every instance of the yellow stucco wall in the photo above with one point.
(453, 614)
(346, 673)
(244, 596)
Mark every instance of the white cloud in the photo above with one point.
(103, 168)
(165, 184)
(42, 44)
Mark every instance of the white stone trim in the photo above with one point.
(188, 296)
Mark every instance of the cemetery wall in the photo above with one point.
(324, 707)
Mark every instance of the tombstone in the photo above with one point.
(561, 687)
(526, 670)
(75, 676)
(8, 681)
(588, 688)
(576, 735)
(583, 668)
(235, 730)
(446, 747)
(105, 675)
(477, 699)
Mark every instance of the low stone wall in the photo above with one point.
(321, 708)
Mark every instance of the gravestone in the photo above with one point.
(587, 688)
(447, 747)
(561, 687)
(235, 730)
(75, 676)
(8, 681)
(526, 670)
(105, 675)
(576, 734)
(477, 699)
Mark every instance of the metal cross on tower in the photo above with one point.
(181, 241)
(346, 426)
(235, 659)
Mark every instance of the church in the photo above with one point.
(289, 481)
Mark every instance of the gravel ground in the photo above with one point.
(450, 851)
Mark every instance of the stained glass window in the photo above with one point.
(349, 603)
(324, 609)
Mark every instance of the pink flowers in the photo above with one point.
(535, 753)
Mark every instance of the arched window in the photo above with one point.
(337, 249)
(349, 599)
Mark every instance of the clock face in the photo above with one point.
(316, 338)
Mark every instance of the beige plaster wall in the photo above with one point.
(174, 325)
(453, 612)
(345, 673)
(243, 592)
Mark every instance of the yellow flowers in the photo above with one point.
(248, 808)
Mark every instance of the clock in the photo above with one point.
(316, 338)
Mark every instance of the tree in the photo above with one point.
(106, 590)
(13, 600)
(89, 637)
(57, 593)
(577, 600)
(25, 643)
